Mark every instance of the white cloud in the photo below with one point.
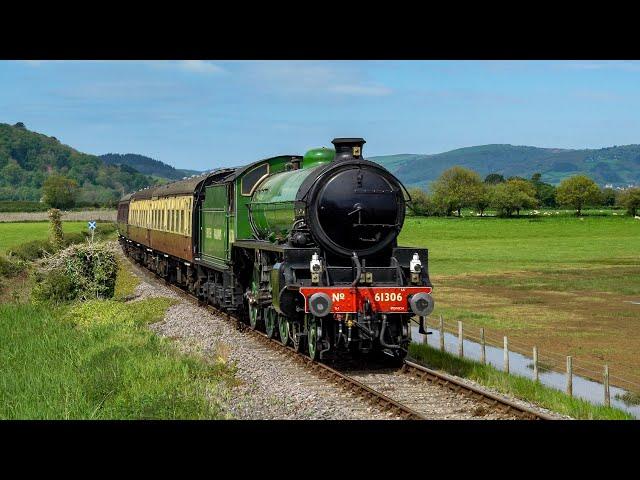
(199, 66)
(192, 66)
(310, 78)
(33, 63)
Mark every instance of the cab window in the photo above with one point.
(252, 177)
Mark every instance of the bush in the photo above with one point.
(102, 232)
(630, 199)
(106, 228)
(54, 286)
(421, 203)
(32, 250)
(83, 271)
(73, 238)
(9, 268)
(22, 206)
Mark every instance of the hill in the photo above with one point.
(147, 165)
(27, 158)
(617, 165)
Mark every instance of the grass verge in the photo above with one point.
(98, 360)
(515, 385)
(126, 282)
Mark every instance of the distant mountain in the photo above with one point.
(617, 165)
(27, 158)
(147, 165)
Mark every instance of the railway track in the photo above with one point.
(407, 384)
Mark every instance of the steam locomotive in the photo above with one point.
(301, 247)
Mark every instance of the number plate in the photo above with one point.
(351, 300)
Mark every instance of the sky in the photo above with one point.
(203, 114)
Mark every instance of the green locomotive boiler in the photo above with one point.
(304, 247)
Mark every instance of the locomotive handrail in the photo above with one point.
(389, 225)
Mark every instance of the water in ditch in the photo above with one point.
(519, 364)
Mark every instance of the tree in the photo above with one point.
(60, 191)
(494, 179)
(630, 199)
(421, 203)
(456, 188)
(20, 125)
(483, 201)
(525, 193)
(512, 196)
(608, 196)
(577, 192)
(545, 192)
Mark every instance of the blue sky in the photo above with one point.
(206, 114)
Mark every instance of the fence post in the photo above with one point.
(483, 353)
(607, 398)
(460, 340)
(535, 363)
(506, 354)
(441, 334)
(569, 376)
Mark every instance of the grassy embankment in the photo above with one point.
(564, 284)
(99, 360)
(515, 385)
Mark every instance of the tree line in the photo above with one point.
(459, 188)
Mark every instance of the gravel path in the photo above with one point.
(273, 386)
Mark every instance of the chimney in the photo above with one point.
(348, 148)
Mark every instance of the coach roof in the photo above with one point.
(182, 187)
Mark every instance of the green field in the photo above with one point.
(564, 284)
(460, 246)
(99, 360)
(12, 234)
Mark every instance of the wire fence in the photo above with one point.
(544, 361)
